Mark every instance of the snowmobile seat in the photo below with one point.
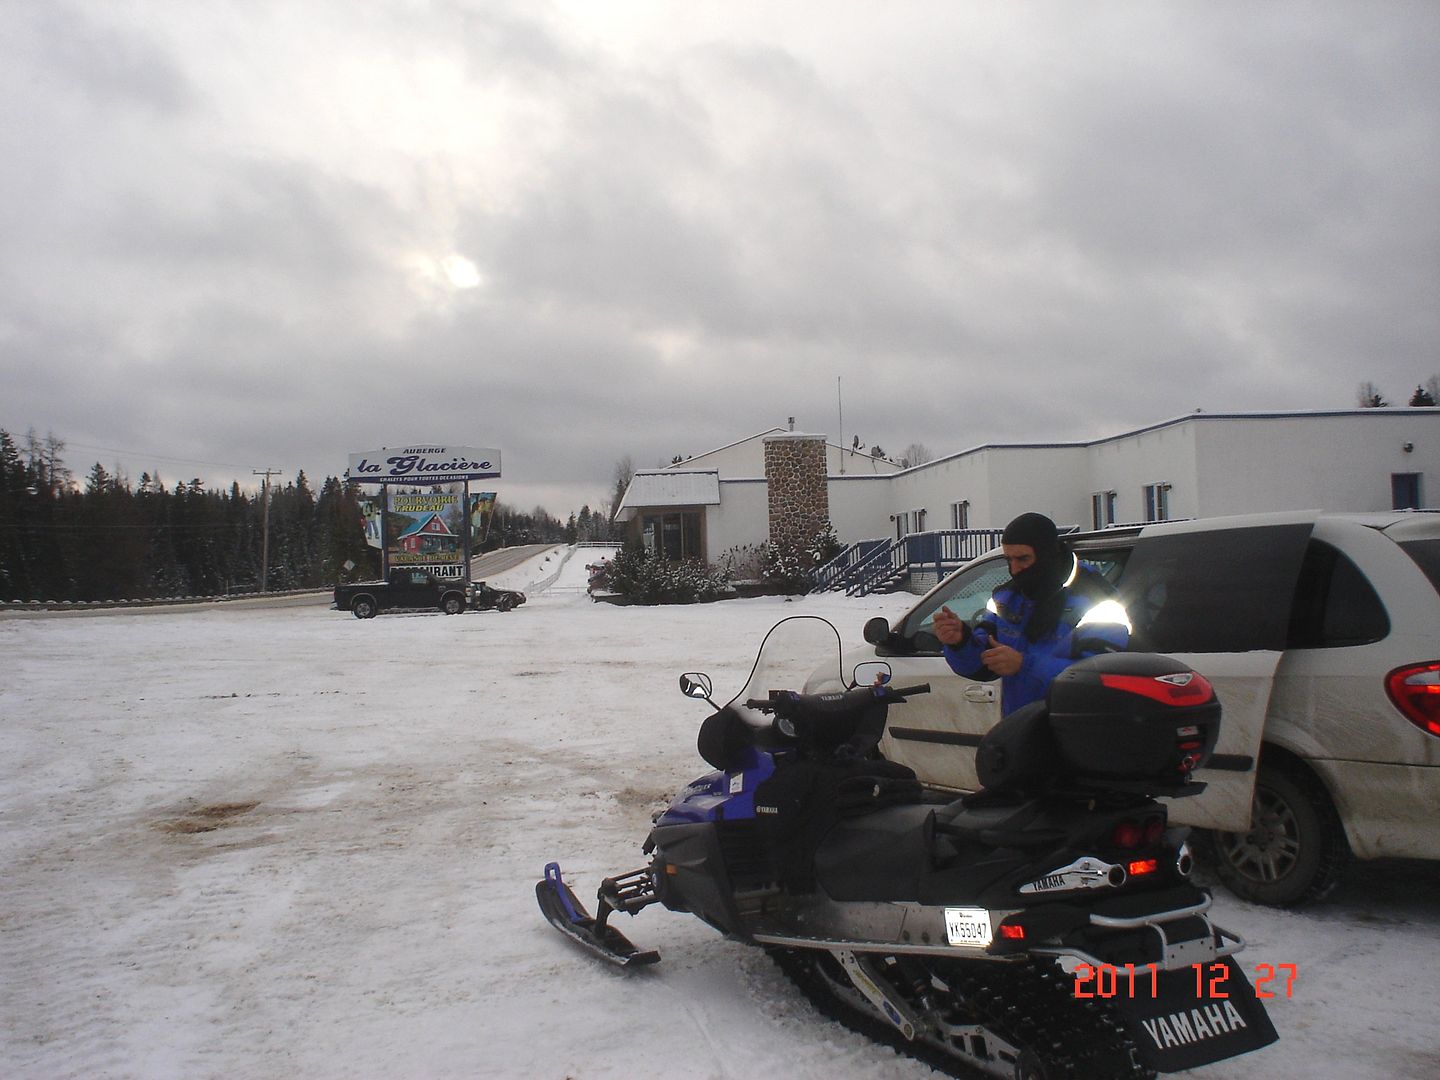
(879, 856)
(996, 823)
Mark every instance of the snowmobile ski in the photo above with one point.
(564, 911)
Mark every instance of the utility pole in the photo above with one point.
(265, 525)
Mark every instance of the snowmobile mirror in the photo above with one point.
(877, 630)
(872, 673)
(695, 684)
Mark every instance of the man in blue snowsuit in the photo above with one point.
(1052, 612)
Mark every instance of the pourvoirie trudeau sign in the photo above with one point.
(424, 464)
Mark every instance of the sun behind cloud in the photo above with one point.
(461, 272)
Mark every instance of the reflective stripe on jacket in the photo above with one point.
(1092, 621)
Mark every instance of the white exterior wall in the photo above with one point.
(999, 482)
(1049, 479)
(744, 458)
(1128, 464)
(858, 507)
(743, 517)
(934, 486)
(1334, 462)
(842, 462)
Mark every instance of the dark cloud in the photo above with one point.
(224, 233)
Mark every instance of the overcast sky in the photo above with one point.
(268, 234)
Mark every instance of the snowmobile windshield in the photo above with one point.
(800, 650)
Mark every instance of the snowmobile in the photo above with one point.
(1045, 926)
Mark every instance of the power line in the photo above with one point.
(146, 456)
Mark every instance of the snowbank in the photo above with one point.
(281, 842)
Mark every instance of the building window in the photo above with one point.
(1405, 490)
(960, 514)
(675, 536)
(1157, 502)
(909, 521)
(1102, 509)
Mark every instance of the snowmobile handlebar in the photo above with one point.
(787, 700)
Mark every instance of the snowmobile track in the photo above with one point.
(1027, 1005)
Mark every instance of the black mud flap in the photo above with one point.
(1194, 1016)
(564, 911)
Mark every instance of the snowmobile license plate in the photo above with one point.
(968, 926)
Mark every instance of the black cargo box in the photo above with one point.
(1123, 720)
(1134, 716)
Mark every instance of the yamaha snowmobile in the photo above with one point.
(1045, 926)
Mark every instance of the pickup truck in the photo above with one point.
(407, 588)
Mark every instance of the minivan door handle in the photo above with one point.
(980, 693)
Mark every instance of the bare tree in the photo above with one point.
(44, 457)
(621, 477)
(916, 454)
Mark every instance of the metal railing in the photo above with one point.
(836, 573)
(887, 563)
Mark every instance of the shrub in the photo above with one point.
(643, 578)
(787, 569)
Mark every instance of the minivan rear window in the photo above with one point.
(1426, 554)
(1335, 605)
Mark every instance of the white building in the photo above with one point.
(1200, 465)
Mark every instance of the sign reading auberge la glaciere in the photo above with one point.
(424, 464)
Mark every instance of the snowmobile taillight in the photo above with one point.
(1130, 834)
(1012, 931)
(1415, 690)
(1143, 866)
(1181, 688)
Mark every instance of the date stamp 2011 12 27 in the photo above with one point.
(1127, 980)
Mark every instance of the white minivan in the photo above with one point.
(1321, 634)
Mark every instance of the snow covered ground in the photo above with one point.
(285, 842)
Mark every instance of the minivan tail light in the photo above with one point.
(1415, 690)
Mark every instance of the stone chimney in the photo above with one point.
(795, 471)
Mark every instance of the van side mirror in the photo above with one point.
(877, 630)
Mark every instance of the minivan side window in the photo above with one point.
(1335, 605)
(965, 594)
(1221, 590)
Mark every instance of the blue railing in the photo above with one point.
(889, 564)
(838, 572)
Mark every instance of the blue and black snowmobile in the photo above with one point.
(1045, 926)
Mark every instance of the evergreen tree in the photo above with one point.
(1368, 397)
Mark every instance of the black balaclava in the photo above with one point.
(1042, 581)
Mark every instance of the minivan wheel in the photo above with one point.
(1295, 851)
